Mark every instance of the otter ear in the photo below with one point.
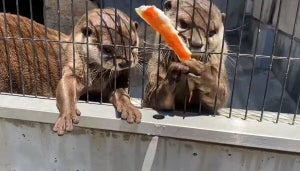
(223, 17)
(169, 4)
(87, 31)
(136, 24)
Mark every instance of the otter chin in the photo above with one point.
(192, 82)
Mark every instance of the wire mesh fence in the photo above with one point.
(261, 62)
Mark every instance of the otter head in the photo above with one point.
(112, 41)
(195, 27)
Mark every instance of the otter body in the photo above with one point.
(28, 66)
(194, 81)
(31, 65)
(112, 50)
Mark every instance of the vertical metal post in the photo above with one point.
(254, 58)
(288, 62)
(237, 60)
(20, 46)
(271, 63)
(47, 50)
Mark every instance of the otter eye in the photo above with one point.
(183, 24)
(87, 31)
(108, 49)
(168, 5)
(211, 33)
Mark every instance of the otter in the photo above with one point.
(30, 59)
(112, 50)
(196, 81)
(31, 63)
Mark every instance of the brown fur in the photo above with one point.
(24, 61)
(74, 80)
(194, 81)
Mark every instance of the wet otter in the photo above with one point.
(85, 74)
(194, 81)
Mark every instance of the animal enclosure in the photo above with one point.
(262, 58)
(258, 129)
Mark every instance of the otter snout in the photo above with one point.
(118, 62)
(196, 46)
(197, 41)
(117, 58)
(127, 63)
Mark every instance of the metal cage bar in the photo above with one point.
(254, 58)
(47, 52)
(271, 63)
(288, 63)
(237, 60)
(221, 58)
(160, 49)
(20, 52)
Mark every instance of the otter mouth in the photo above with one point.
(201, 56)
(124, 65)
(119, 62)
(108, 58)
(198, 54)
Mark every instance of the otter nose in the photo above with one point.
(196, 45)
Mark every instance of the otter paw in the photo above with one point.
(129, 113)
(176, 69)
(65, 123)
(195, 67)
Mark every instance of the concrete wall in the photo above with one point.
(287, 17)
(266, 12)
(26, 146)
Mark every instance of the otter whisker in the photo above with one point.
(155, 44)
(139, 67)
(146, 49)
(237, 28)
(231, 61)
(143, 53)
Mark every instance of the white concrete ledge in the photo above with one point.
(233, 131)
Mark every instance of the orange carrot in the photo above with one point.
(161, 23)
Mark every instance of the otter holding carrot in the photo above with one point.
(195, 77)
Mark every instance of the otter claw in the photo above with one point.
(129, 113)
(64, 123)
